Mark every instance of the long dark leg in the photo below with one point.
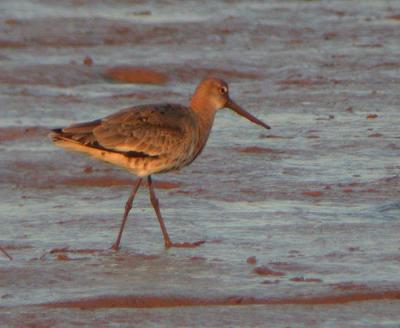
(154, 202)
(128, 206)
(167, 241)
(5, 253)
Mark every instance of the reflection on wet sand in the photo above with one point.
(306, 214)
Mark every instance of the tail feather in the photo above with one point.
(81, 133)
(76, 142)
(80, 137)
(82, 128)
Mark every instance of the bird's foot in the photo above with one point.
(115, 247)
(185, 244)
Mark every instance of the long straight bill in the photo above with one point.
(236, 108)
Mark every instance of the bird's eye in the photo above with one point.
(223, 90)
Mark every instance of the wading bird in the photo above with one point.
(151, 139)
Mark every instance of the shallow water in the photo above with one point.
(301, 222)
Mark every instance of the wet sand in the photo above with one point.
(301, 223)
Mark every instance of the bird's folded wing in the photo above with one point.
(152, 130)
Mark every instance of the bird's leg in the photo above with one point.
(128, 206)
(154, 202)
(5, 253)
(167, 240)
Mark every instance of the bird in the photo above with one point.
(151, 139)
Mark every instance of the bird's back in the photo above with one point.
(144, 139)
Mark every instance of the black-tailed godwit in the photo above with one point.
(151, 139)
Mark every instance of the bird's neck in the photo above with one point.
(205, 125)
(205, 119)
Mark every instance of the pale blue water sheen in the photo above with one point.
(315, 197)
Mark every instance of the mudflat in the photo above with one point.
(301, 223)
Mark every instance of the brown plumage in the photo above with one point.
(152, 139)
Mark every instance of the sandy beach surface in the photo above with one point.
(301, 223)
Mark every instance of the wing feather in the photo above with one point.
(142, 131)
(153, 129)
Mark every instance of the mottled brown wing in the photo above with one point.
(79, 132)
(152, 129)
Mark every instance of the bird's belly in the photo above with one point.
(151, 165)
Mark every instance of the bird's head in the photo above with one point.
(212, 94)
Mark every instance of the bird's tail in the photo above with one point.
(80, 138)
(81, 133)
(76, 137)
